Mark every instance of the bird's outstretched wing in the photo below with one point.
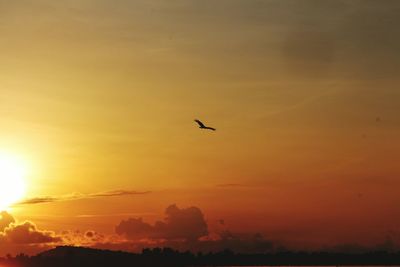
(210, 128)
(200, 123)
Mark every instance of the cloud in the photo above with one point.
(27, 233)
(90, 234)
(231, 185)
(5, 220)
(23, 233)
(184, 229)
(118, 193)
(244, 243)
(186, 224)
(79, 196)
(87, 238)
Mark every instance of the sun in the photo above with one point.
(12, 183)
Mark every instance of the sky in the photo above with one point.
(98, 98)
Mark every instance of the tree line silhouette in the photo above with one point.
(159, 257)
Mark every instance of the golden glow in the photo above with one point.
(12, 184)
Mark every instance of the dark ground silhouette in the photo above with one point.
(77, 256)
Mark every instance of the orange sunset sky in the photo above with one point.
(98, 98)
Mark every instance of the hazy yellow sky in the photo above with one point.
(100, 95)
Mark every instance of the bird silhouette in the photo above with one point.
(202, 126)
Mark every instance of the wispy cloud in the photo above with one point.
(78, 196)
(231, 185)
(136, 214)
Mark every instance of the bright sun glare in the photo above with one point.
(12, 184)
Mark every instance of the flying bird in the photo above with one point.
(202, 126)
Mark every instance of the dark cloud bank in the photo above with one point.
(180, 224)
(182, 229)
(187, 228)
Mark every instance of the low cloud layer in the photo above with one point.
(27, 233)
(182, 229)
(185, 229)
(231, 185)
(186, 224)
(24, 233)
(79, 196)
